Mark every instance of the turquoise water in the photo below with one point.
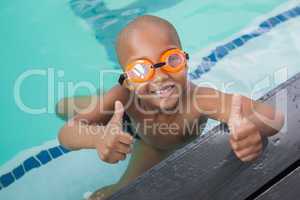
(57, 34)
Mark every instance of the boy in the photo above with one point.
(161, 103)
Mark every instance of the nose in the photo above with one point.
(159, 76)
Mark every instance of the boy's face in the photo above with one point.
(164, 89)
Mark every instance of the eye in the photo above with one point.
(139, 70)
(174, 60)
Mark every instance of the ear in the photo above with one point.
(186, 69)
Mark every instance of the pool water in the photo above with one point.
(55, 49)
(248, 48)
(75, 40)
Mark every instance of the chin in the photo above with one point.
(169, 104)
(164, 99)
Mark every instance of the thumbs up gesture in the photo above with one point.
(245, 138)
(115, 144)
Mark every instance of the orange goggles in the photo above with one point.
(142, 70)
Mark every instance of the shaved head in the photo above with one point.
(146, 37)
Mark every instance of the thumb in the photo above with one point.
(236, 110)
(118, 112)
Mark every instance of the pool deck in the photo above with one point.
(208, 169)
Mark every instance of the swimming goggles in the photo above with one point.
(142, 70)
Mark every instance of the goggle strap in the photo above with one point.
(158, 65)
(187, 56)
(122, 79)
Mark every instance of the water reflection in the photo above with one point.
(107, 23)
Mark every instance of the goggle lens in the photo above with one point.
(142, 70)
(174, 60)
(139, 71)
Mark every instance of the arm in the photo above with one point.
(83, 130)
(249, 121)
(218, 106)
(68, 107)
(266, 119)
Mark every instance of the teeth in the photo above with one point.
(159, 91)
(163, 90)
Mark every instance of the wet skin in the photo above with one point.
(165, 110)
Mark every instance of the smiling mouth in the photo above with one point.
(164, 91)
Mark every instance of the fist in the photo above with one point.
(245, 138)
(115, 144)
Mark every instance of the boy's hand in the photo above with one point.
(245, 139)
(114, 144)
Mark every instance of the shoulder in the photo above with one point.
(201, 97)
(118, 93)
(125, 96)
(208, 101)
(204, 91)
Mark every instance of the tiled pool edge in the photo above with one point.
(223, 50)
(42, 158)
(45, 156)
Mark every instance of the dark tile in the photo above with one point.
(7, 179)
(238, 42)
(221, 52)
(55, 152)
(265, 25)
(246, 37)
(31, 163)
(256, 34)
(198, 72)
(281, 18)
(64, 149)
(274, 21)
(212, 57)
(297, 10)
(286, 14)
(229, 46)
(289, 14)
(18, 172)
(293, 13)
(193, 75)
(205, 69)
(44, 157)
(205, 60)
